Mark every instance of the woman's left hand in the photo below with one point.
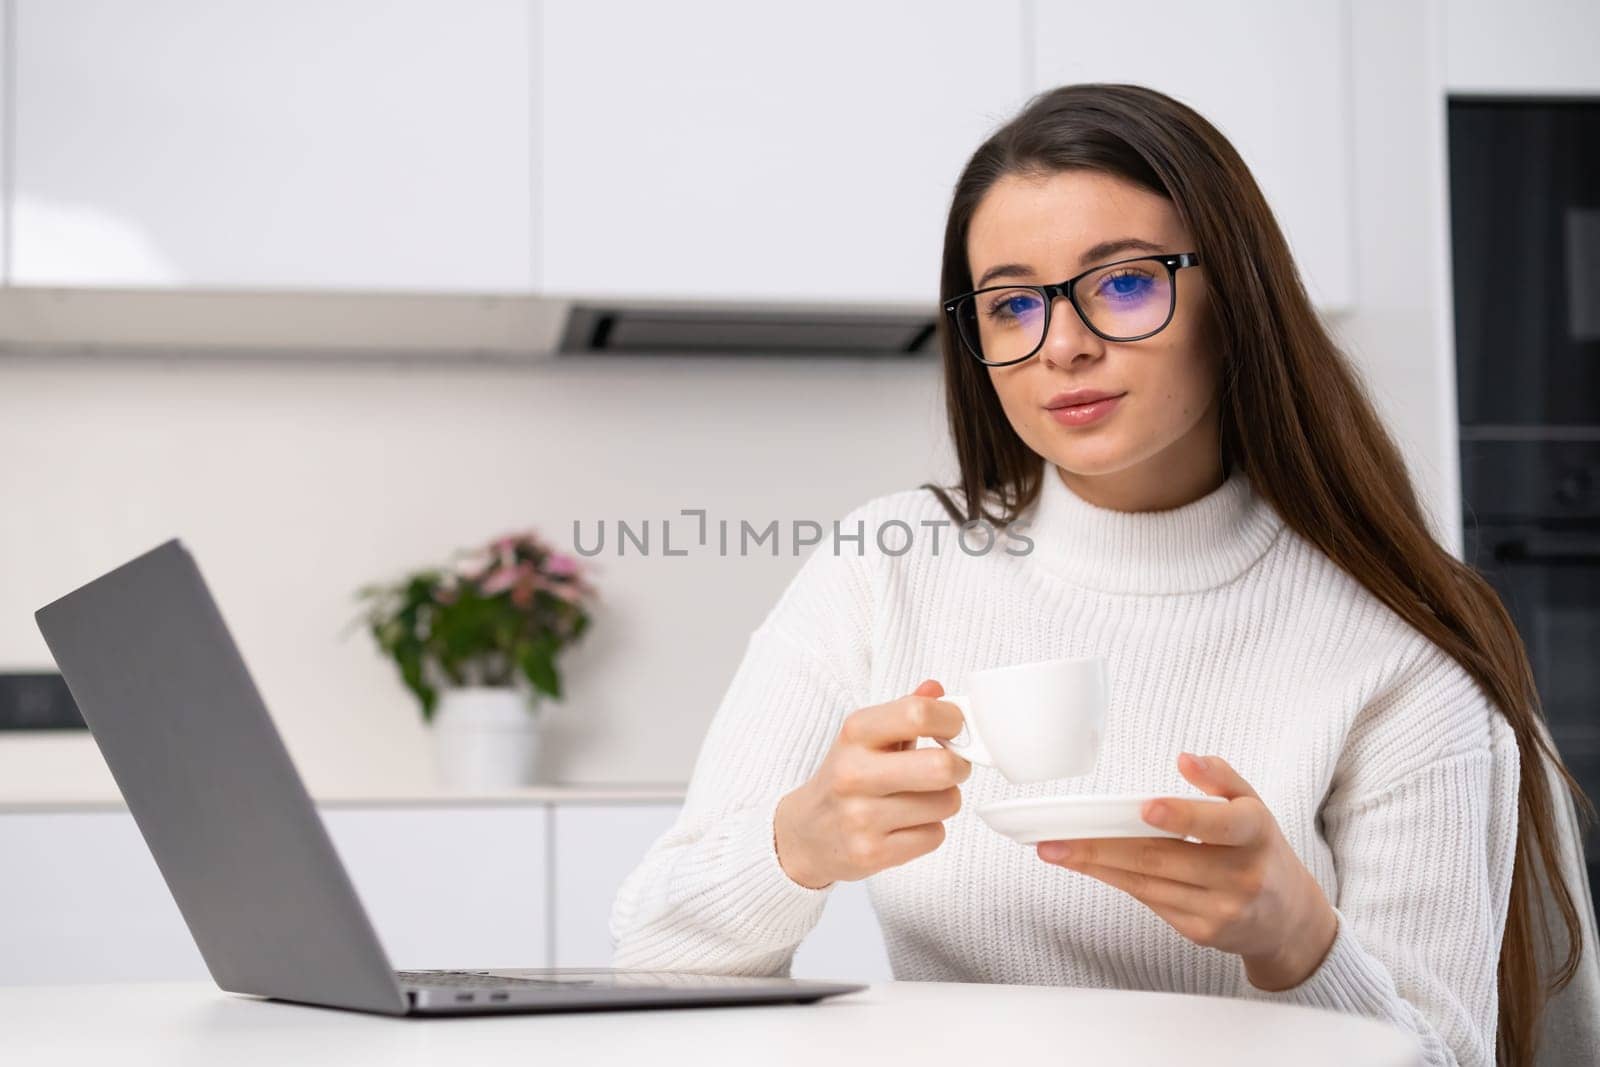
(1241, 888)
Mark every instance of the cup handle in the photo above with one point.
(967, 744)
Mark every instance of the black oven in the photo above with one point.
(1525, 246)
(1533, 530)
(1525, 240)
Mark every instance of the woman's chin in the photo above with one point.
(1079, 458)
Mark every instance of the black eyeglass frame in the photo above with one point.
(1173, 262)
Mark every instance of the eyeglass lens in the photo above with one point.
(1122, 300)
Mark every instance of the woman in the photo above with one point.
(1235, 532)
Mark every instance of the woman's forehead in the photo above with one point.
(1048, 221)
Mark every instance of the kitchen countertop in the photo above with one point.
(422, 797)
(930, 1023)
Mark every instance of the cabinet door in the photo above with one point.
(450, 887)
(7, 67)
(597, 846)
(847, 943)
(355, 144)
(83, 901)
(715, 148)
(1273, 77)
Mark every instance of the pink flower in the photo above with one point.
(503, 578)
(561, 565)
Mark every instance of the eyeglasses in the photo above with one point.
(1128, 300)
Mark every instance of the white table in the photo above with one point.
(190, 1025)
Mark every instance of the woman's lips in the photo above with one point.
(1084, 414)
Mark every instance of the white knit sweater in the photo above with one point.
(1388, 769)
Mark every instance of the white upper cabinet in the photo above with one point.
(1273, 77)
(5, 150)
(356, 144)
(1548, 46)
(718, 148)
(704, 149)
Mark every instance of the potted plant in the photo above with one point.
(476, 642)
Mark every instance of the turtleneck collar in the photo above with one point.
(1200, 545)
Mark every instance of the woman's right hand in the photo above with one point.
(877, 801)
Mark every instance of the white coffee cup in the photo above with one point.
(1034, 721)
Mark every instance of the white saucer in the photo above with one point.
(1030, 820)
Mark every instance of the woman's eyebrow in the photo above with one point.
(1093, 254)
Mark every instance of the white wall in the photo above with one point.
(293, 483)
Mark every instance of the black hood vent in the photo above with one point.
(745, 331)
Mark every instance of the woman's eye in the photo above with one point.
(1129, 285)
(1013, 305)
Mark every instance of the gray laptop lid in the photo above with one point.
(165, 692)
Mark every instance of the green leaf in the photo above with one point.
(537, 660)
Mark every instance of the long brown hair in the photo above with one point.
(1297, 420)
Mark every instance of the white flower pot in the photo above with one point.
(486, 738)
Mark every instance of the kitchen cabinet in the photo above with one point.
(1273, 77)
(718, 149)
(458, 887)
(1541, 48)
(446, 884)
(6, 67)
(847, 942)
(82, 899)
(706, 149)
(360, 144)
(597, 846)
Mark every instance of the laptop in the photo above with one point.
(165, 692)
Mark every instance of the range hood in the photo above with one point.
(445, 325)
(664, 330)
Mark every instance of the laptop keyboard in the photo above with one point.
(481, 980)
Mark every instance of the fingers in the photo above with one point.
(1153, 857)
(929, 688)
(903, 846)
(1214, 775)
(886, 726)
(1238, 822)
(1158, 894)
(898, 811)
(915, 770)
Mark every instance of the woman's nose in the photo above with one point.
(1067, 337)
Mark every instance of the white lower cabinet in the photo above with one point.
(458, 887)
(81, 898)
(599, 845)
(463, 885)
(596, 847)
(82, 901)
(847, 943)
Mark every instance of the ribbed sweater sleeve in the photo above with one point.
(710, 895)
(1423, 833)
